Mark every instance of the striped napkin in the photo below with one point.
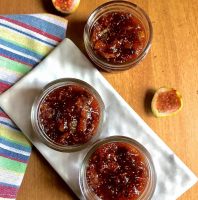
(24, 41)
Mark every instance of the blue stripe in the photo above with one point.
(10, 125)
(36, 22)
(14, 155)
(14, 145)
(34, 37)
(21, 49)
(9, 185)
(18, 57)
(6, 82)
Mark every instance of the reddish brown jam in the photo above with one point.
(117, 171)
(118, 37)
(69, 115)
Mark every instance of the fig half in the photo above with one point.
(166, 102)
(66, 6)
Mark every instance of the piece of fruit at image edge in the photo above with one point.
(66, 6)
(166, 102)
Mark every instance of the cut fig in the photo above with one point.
(166, 102)
(66, 6)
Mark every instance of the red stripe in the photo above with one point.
(32, 28)
(11, 158)
(14, 59)
(8, 191)
(4, 86)
(2, 114)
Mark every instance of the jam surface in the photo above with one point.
(117, 171)
(118, 37)
(69, 115)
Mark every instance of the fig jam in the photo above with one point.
(117, 171)
(118, 37)
(69, 115)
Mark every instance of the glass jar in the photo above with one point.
(63, 114)
(96, 162)
(113, 7)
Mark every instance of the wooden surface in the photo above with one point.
(172, 61)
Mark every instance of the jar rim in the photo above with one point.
(116, 66)
(150, 188)
(47, 90)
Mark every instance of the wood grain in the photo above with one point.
(172, 61)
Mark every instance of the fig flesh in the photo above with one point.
(166, 102)
(66, 6)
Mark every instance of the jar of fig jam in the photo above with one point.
(68, 114)
(117, 168)
(117, 35)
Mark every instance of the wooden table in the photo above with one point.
(172, 61)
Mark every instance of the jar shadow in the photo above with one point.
(52, 179)
(75, 32)
(26, 101)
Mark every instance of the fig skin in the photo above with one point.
(168, 112)
(69, 10)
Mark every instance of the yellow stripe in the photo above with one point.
(21, 40)
(13, 135)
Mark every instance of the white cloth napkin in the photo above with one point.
(173, 177)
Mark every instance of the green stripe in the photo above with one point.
(14, 66)
(12, 165)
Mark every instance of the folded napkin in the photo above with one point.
(173, 177)
(24, 41)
